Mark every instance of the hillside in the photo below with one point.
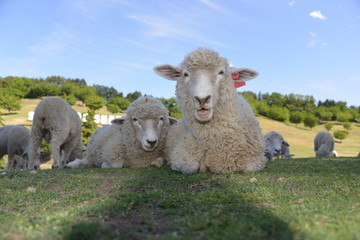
(299, 137)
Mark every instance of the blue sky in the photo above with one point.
(308, 47)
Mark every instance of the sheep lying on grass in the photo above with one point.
(56, 121)
(276, 146)
(136, 140)
(324, 144)
(15, 141)
(219, 132)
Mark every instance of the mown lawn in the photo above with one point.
(290, 199)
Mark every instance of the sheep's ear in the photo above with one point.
(167, 71)
(118, 121)
(240, 75)
(173, 121)
(285, 143)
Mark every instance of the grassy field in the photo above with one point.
(304, 198)
(290, 199)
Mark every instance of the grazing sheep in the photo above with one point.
(15, 141)
(134, 141)
(324, 144)
(60, 125)
(358, 155)
(219, 132)
(276, 146)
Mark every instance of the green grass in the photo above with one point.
(291, 199)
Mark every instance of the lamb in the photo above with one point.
(324, 144)
(276, 146)
(15, 141)
(219, 132)
(59, 124)
(134, 141)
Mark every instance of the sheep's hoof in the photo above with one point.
(66, 166)
(54, 166)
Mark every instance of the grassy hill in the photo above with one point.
(300, 138)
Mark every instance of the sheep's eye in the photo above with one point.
(162, 118)
(134, 119)
(221, 72)
(186, 74)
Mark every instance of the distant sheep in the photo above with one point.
(15, 141)
(324, 144)
(134, 141)
(59, 124)
(219, 132)
(358, 155)
(276, 146)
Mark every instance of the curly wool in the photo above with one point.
(324, 144)
(117, 144)
(232, 141)
(57, 122)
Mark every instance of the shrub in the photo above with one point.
(347, 126)
(113, 108)
(340, 135)
(296, 117)
(329, 126)
(71, 99)
(94, 102)
(311, 121)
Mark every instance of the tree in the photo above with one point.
(172, 105)
(94, 102)
(328, 126)
(71, 99)
(311, 121)
(278, 113)
(340, 135)
(296, 117)
(113, 108)
(347, 126)
(344, 116)
(84, 92)
(123, 103)
(89, 126)
(9, 102)
(133, 96)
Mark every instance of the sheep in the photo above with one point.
(358, 156)
(59, 124)
(15, 141)
(219, 132)
(134, 141)
(276, 146)
(324, 144)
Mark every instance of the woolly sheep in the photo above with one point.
(358, 155)
(15, 141)
(324, 144)
(56, 121)
(219, 132)
(276, 146)
(134, 141)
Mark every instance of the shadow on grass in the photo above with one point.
(161, 204)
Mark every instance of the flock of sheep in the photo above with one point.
(218, 133)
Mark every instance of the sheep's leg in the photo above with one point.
(33, 161)
(183, 162)
(79, 163)
(11, 163)
(55, 151)
(157, 162)
(117, 164)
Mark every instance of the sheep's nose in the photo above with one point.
(151, 143)
(202, 100)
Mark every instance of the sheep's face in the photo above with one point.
(148, 131)
(203, 86)
(274, 142)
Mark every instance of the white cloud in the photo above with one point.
(292, 3)
(317, 14)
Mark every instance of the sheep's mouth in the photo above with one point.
(203, 114)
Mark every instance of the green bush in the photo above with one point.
(278, 113)
(296, 117)
(311, 121)
(347, 126)
(113, 108)
(341, 135)
(329, 126)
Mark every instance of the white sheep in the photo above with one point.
(358, 156)
(136, 140)
(276, 146)
(15, 141)
(324, 144)
(219, 132)
(59, 124)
